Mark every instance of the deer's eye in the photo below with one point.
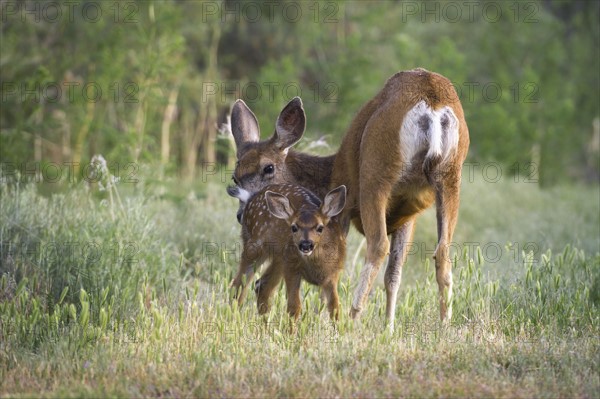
(294, 228)
(269, 169)
(237, 183)
(320, 228)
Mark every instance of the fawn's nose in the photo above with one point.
(306, 246)
(239, 217)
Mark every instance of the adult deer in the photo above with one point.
(403, 151)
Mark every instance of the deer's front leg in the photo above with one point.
(292, 283)
(373, 200)
(266, 285)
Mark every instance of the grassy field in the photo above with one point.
(124, 293)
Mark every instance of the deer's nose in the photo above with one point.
(306, 246)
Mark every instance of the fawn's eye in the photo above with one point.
(320, 228)
(294, 228)
(269, 169)
(235, 180)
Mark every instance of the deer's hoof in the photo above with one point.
(354, 313)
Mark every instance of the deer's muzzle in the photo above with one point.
(306, 247)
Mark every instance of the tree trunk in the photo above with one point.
(168, 117)
(81, 136)
(210, 118)
(140, 125)
(204, 133)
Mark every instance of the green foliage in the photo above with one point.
(77, 258)
(525, 73)
(94, 296)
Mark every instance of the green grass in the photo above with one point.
(102, 300)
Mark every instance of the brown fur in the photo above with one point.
(385, 192)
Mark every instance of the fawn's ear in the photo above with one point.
(334, 201)
(290, 124)
(279, 205)
(244, 125)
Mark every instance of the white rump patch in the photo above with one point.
(426, 128)
(443, 134)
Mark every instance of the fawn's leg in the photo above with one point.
(292, 284)
(269, 281)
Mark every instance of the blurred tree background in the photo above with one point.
(151, 81)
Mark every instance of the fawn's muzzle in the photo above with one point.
(306, 247)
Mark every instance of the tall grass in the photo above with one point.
(101, 298)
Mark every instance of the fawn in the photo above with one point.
(291, 227)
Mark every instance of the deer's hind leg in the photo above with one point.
(401, 239)
(447, 198)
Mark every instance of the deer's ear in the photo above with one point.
(290, 124)
(278, 205)
(334, 201)
(244, 125)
